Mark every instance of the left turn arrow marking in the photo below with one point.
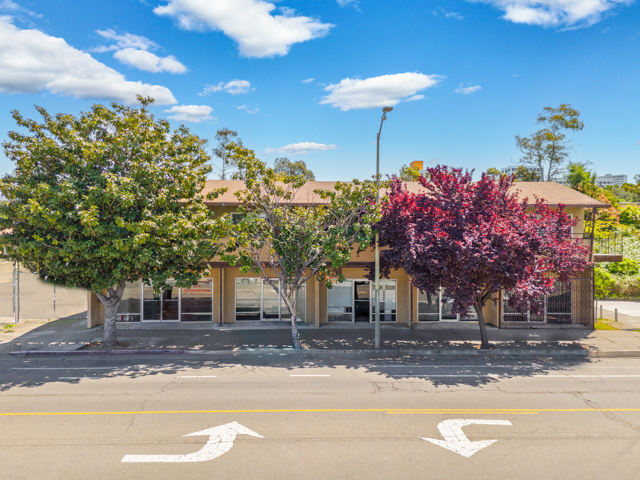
(220, 441)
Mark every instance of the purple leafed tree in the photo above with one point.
(474, 239)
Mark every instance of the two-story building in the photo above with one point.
(227, 296)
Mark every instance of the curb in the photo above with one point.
(367, 352)
(98, 352)
(429, 352)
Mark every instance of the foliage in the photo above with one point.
(630, 216)
(8, 327)
(548, 148)
(292, 238)
(627, 266)
(523, 174)
(108, 197)
(493, 172)
(603, 324)
(476, 239)
(409, 174)
(227, 168)
(603, 282)
(285, 167)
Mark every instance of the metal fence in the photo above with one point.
(571, 303)
(24, 296)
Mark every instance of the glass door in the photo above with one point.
(340, 302)
(270, 301)
(362, 301)
(163, 306)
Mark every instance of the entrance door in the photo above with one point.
(362, 301)
(163, 306)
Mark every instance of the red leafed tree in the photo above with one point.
(473, 239)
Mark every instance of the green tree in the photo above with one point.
(226, 167)
(284, 167)
(548, 148)
(493, 172)
(523, 174)
(409, 174)
(109, 197)
(285, 237)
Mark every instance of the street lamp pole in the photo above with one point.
(376, 298)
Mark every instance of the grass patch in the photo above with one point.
(8, 328)
(603, 324)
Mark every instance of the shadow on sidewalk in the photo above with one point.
(392, 372)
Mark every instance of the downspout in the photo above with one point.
(411, 309)
(220, 296)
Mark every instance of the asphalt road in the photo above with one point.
(323, 418)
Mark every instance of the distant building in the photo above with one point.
(609, 180)
(513, 169)
(418, 165)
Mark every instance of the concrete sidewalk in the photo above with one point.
(628, 313)
(70, 335)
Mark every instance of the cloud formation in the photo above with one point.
(191, 113)
(249, 22)
(32, 61)
(234, 87)
(555, 13)
(301, 148)
(467, 90)
(453, 15)
(133, 50)
(386, 90)
(12, 7)
(253, 111)
(354, 3)
(308, 80)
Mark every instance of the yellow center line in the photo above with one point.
(391, 411)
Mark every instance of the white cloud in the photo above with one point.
(191, 113)
(9, 6)
(467, 90)
(308, 80)
(354, 3)
(127, 40)
(386, 90)
(555, 13)
(148, 61)
(453, 15)
(32, 61)
(234, 87)
(301, 148)
(248, 22)
(133, 50)
(253, 111)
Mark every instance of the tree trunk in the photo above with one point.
(484, 341)
(111, 301)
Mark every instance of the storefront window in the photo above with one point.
(129, 308)
(387, 301)
(340, 302)
(196, 303)
(248, 298)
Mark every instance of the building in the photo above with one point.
(228, 296)
(418, 165)
(513, 169)
(609, 180)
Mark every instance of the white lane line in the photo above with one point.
(587, 376)
(197, 376)
(498, 375)
(309, 375)
(77, 378)
(61, 368)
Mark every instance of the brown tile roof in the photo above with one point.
(554, 193)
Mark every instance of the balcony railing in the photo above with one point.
(606, 248)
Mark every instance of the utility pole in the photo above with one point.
(376, 299)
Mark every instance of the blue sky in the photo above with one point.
(307, 79)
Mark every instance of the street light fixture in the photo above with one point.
(376, 298)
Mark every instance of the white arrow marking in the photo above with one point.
(220, 442)
(455, 439)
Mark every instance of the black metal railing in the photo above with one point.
(607, 244)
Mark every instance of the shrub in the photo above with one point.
(603, 282)
(630, 216)
(628, 266)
